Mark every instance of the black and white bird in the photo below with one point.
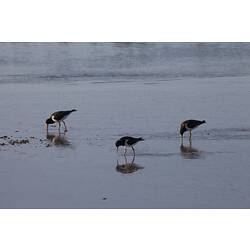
(127, 142)
(58, 117)
(189, 125)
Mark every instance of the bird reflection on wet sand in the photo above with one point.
(58, 139)
(127, 167)
(189, 152)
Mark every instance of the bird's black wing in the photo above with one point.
(60, 114)
(193, 123)
(129, 140)
(132, 140)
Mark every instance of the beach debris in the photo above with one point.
(4, 137)
(22, 141)
(18, 141)
(104, 198)
(8, 140)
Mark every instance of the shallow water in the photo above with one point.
(81, 169)
(120, 62)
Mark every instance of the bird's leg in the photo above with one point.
(126, 161)
(190, 143)
(133, 159)
(190, 135)
(59, 126)
(125, 151)
(65, 126)
(133, 150)
(181, 139)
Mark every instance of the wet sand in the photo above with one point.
(81, 169)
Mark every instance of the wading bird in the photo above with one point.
(189, 125)
(127, 142)
(58, 117)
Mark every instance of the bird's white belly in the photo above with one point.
(53, 118)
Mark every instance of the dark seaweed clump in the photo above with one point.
(6, 140)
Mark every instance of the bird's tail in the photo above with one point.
(140, 139)
(73, 110)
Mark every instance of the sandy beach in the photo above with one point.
(81, 169)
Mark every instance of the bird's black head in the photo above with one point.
(118, 144)
(182, 130)
(203, 121)
(49, 121)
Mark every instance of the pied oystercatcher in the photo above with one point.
(126, 142)
(189, 125)
(59, 117)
